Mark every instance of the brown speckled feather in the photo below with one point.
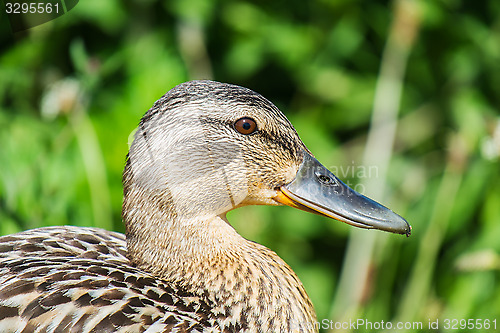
(69, 279)
(72, 279)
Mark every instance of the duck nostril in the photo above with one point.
(325, 180)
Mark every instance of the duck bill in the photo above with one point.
(315, 189)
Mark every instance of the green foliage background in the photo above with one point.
(72, 90)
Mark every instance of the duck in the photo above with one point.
(202, 150)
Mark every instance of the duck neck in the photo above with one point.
(176, 248)
(205, 256)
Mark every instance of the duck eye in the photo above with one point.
(245, 125)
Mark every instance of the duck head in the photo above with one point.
(206, 148)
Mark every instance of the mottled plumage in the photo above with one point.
(182, 267)
(72, 279)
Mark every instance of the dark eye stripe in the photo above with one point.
(245, 125)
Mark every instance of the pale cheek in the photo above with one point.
(261, 196)
(289, 173)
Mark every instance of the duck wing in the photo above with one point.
(73, 279)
